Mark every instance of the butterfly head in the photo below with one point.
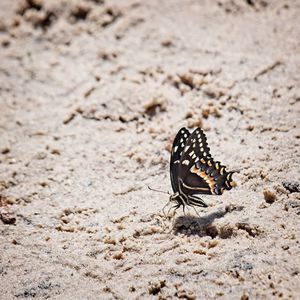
(174, 197)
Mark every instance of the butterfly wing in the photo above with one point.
(196, 149)
(198, 171)
(177, 148)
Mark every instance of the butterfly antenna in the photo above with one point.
(151, 189)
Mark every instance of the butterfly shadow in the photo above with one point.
(195, 225)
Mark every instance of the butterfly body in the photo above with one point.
(193, 171)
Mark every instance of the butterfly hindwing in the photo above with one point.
(177, 149)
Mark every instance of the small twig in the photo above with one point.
(267, 69)
(69, 118)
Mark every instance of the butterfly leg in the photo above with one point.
(195, 211)
(174, 220)
(173, 223)
(175, 208)
(163, 210)
(169, 210)
(183, 208)
(164, 213)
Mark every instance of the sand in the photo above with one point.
(92, 94)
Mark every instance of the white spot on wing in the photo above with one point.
(191, 153)
(175, 148)
(186, 148)
(186, 162)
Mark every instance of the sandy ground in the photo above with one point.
(92, 94)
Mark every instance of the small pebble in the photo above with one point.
(269, 196)
(5, 150)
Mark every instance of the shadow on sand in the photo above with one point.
(201, 226)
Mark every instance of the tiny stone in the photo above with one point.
(269, 196)
(43, 183)
(262, 205)
(7, 218)
(213, 244)
(118, 256)
(5, 150)
(200, 251)
(245, 297)
(55, 152)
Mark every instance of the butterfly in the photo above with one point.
(193, 171)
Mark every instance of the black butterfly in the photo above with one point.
(193, 171)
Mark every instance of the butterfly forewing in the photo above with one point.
(177, 150)
(196, 150)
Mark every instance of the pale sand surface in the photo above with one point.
(92, 94)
